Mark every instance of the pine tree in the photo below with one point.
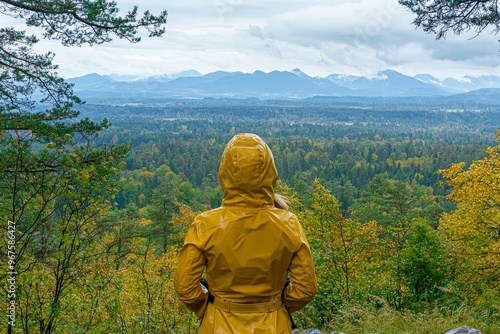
(458, 16)
(54, 183)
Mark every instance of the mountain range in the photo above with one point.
(293, 84)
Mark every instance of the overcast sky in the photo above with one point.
(320, 37)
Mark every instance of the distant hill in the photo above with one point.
(92, 80)
(293, 84)
(484, 96)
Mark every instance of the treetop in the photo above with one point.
(77, 22)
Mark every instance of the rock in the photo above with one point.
(464, 330)
(307, 331)
(313, 331)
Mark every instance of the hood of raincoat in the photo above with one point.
(247, 173)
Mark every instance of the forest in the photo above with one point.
(101, 214)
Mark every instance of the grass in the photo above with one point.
(365, 319)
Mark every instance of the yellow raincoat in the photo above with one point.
(249, 248)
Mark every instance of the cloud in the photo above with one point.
(348, 22)
(319, 36)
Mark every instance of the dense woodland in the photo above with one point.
(399, 201)
(344, 145)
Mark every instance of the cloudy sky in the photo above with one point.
(320, 37)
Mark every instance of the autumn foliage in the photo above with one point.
(472, 231)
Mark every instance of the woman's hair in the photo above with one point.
(281, 202)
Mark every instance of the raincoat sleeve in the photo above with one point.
(303, 283)
(189, 270)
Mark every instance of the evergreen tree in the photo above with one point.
(54, 182)
(458, 16)
(389, 201)
(424, 265)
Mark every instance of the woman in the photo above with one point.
(249, 247)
